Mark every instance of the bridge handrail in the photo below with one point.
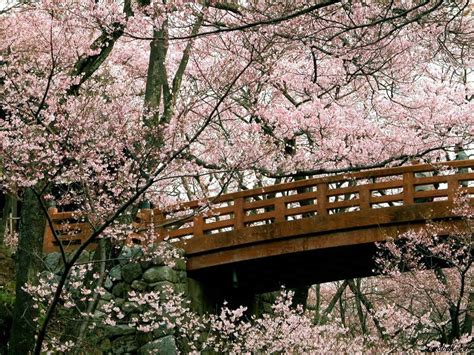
(412, 180)
(306, 198)
(373, 173)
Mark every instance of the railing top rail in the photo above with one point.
(366, 174)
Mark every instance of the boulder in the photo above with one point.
(116, 273)
(124, 344)
(139, 285)
(160, 273)
(131, 272)
(165, 346)
(121, 290)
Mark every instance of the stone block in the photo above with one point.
(160, 273)
(146, 264)
(105, 345)
(182, 276)
(162, 331)
(130, 253)
(139, 285)
(181, 288)
(130, 307)
(124, 344)
(108, 284)
(121, 290)
(116, 273)
(158, 261)
(118, 330)
(179, 264)
(163, 346)
(119, 301)
(161, 286)
(131, 272)
(85, 257)
(53, 263)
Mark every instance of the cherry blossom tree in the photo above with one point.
(108, 103)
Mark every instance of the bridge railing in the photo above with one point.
(378, 188)
(319, 196)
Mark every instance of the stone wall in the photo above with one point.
(132, 272)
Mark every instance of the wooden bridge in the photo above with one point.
(301, 232)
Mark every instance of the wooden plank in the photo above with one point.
(300, 197)
(385, 185)
(220, 211)
(67, 227)
(260, 204)
(158, 219)
(66, 215)
(301, 210)
(345, 203)
(70, 238)
(179, 232)
(259, 217)
(311, 242)
(345, 190)
(431, 193)
(386, 198)
(453, 187)
(218, 224)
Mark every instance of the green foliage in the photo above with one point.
(7, 301)
(7, 298)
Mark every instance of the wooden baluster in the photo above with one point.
(453, 187)
(322, 198)
(86, 232)
(141, 224)
(364, 197)
(48, 239)
(158, 219)
(280, 210)
(198, 226)
(239, 213)
(408, 188)
(145, 224)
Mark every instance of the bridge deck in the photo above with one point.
(297, 217)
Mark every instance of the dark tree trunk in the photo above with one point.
(28, 265)
(8, 209)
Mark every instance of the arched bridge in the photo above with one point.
(307, 231)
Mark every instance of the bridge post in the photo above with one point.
(239, 213)
(159, 218)
(408, 188)
(48, 245)
(364, 197)
(280, 211)
(198, 223)
(322, 198)
(453, 186)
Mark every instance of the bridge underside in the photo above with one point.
(304, 252)
(289, 270)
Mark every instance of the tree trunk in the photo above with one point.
(28, 265)
(8, 208)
